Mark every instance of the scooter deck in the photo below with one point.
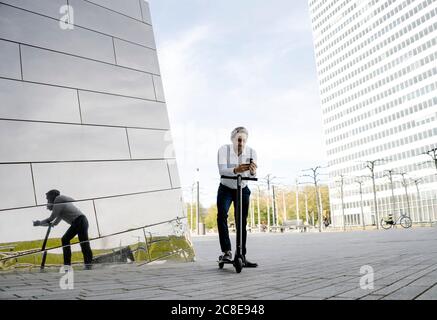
(224, 261)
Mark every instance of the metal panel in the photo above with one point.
(49, 8)
(130, 8)
(146, 11)
(86, 180)
(28, 101)
(60, 142)
(121, 111)
(16, 225)
(142, 209)
(136, 57)
(159, 90)
(150, 144)
(10, 60)
(96, 18)
(16, 189)
(33, 29)
(59, 69)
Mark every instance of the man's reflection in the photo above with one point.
(63, 209)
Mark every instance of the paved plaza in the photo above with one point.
(292, 266)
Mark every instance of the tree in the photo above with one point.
(209, 215)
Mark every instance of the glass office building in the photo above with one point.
(377, 70)
(83, 111)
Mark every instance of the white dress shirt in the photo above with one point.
(227, 160)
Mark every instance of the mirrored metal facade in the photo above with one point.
(83, 111)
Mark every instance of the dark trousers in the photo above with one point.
(78, 227)
(225, 196)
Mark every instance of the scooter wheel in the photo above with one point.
(221, 264)
(238, 264)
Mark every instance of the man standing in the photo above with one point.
(63, 209)
(234, 159)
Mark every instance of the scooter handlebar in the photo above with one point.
(236, 177)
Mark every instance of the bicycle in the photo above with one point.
(403, 220)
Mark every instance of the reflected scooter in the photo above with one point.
(44, 255)
(238, 258)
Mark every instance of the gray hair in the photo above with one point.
(239, 130)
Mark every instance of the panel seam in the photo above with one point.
(84, 161)
(115, 55)
(82, 89)
(80, 110)
(98, 198)
(141, 10)
(82, 124)
(33, 183)
(21, 61)
(154, 89)
(169, 175)
(97, 220)
(82, 57)
(128, 144)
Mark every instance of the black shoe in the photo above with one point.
(227, 256)
(248, 264)
(88, 267)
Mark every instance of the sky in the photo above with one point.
(239, 63)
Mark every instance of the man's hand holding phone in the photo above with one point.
(241, 168)
(245, 167)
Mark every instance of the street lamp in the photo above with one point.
(370, 164)
(418, 201)
(405, 184)
(390, 177)
(197, 177)
(342, 200)
(360, 182)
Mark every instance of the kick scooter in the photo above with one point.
(238, 259)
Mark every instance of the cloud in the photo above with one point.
(219, 74)
(181, 72)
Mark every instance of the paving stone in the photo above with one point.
(7, 295)
(357, 293)
(304, 298)
(393, 287)
(430, 294)
(330, 291)
(406, 293)
(371, 297)
(30, 293)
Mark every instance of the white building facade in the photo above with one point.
(377, 70)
